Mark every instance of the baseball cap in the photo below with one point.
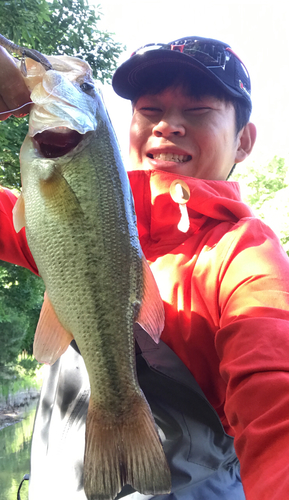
(211, 57)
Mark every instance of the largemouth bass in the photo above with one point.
(77, 208)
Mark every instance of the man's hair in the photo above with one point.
(197, 85)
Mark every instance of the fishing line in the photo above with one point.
(16, 109)
(31, 102)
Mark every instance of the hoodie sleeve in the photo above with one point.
(13, 246)
(253, 347)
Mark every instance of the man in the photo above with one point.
(221, 370)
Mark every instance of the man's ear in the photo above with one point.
(246, 140)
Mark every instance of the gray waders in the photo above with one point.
(200, 454)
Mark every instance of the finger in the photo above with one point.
(23, 111)
(13, 90)
(19, 113)
(3, 109)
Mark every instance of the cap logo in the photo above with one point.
(179, 48)
(241, 85)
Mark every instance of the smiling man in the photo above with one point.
(176, 132)
(218, 382)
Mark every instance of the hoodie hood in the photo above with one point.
(170, 208)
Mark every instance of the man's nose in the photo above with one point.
(170, 124)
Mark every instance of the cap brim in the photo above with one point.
(135, 74)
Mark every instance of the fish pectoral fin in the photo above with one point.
(18, 213)
(123, 450)
(151, 316)
(51, 339)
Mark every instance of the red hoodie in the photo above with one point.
(224, 280)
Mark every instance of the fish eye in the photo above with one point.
(87, 87)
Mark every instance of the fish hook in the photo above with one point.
(24, 52)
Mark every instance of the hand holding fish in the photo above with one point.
(14, 94)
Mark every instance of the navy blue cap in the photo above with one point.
(211, 57)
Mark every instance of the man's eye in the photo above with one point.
(198, 110)
(150, 109)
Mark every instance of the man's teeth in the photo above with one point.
(171, 157)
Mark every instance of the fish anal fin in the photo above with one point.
(124, 451)
(51, 339)
(19, 214)
(151, 316)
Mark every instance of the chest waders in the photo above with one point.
(200, 454)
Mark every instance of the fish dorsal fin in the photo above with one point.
(151, 316)
(19, 214)
(51, 339)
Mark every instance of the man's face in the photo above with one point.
(178, 133)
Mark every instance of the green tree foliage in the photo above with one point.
(61, 27)
(266, 190)
(263, 182)
(51, 27)
(12, 134)
(21, 296)
(21, 20)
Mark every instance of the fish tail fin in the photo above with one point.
(129, 451)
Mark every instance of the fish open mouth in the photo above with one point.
(55, 143)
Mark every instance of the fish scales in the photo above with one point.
(81, 229)
(91, 281)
